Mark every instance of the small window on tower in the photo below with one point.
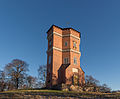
(65, 60)
(75, 60)
(49, 59)
(74, 44)
(66, 44)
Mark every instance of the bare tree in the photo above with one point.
(16, 71)
(105, 88)
(90, 81)
(31, 81)
(42, 75)
(2, 80)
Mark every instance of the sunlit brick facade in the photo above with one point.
(63, 57)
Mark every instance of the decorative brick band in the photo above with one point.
(71, 36)
(66, 50)
(67, 35)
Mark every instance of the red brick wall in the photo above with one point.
(59, 52)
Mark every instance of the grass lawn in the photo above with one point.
(62, 93)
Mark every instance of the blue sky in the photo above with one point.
(23, 26)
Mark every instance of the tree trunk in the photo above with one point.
(17, 83)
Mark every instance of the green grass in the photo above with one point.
(22, 91)
(62, 93)
(49, 91)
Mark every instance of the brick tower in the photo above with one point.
(63, 57)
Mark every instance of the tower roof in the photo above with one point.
(62, 28)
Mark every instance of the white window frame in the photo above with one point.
(66, 60)
(75, 60)
(74, 44)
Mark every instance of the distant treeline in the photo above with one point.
(14, 76)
